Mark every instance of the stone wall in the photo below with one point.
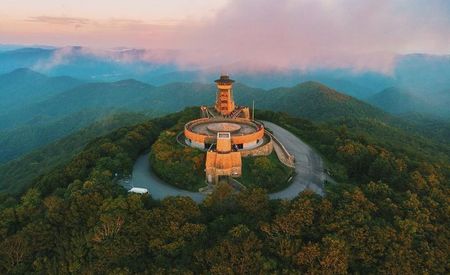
(263, 150)
(283, 155)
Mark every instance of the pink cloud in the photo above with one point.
(271, 34)
(316, 33)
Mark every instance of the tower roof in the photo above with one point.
(225, 79)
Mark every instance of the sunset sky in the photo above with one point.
(100, 23)
(282, 32)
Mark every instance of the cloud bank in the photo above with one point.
(317, 33)
(273, 34)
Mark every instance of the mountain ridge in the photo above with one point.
(311, 100)
(316, 101)
(24, 86)
(401, 100)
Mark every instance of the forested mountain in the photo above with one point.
(309, 100)
(356, 84)
(61, 112)
(437, 129)
(99, 96)
(98, 174)
(316, 101)
(44, 119)
(25, 138)
(22, 87)
(425, 73)
(51, 117)
(16, 175)
(127, 95)
(397, 100)
(439, 103)
(387, 211)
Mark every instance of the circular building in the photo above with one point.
(245, 134)
(228, 133)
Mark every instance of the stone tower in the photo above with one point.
(223, 163)
(224, 100)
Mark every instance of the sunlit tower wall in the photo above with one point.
(224, 99)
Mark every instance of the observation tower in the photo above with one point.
(224, 99)
(227, 133)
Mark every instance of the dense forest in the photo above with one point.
(16, 175)
(388, 213)
(178, 165)
(265, 172)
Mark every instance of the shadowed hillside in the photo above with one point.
(17, 174)
(24, 86)
(316, 101)
(23, 139)
(397, 100)
(44, 121)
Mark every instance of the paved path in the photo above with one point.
(144, 177)
(308, 164)
(308, 168)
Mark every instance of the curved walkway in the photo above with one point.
(308, 164)
(144, 177)
(308, 168)
(282, 153)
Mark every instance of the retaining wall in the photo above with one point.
(283, 155)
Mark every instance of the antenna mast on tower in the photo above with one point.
(253, 110)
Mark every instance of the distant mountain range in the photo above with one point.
(24, 86)
(402, 101)
(37, 109)
(85, 63)
(425, 74)
(43, 109)
(17, 173)
(310, 99)
(316, 101)
(396, 100)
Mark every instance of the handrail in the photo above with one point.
(290, 158)
(178, 139)
(242, 120)
(238, 183)
(236, 113)
(210, 113)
